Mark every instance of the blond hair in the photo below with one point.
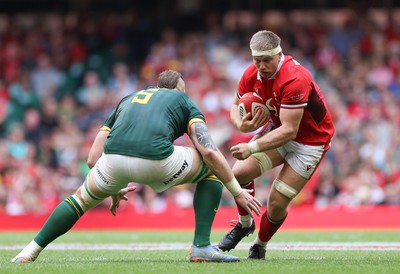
(264, 40)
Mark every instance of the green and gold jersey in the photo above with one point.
(146, 123)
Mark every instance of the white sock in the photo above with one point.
(259, 242)
(30, 252)
(246, 220)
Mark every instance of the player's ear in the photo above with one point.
(181, 85)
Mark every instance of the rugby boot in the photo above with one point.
(209, 253)
(22, 259)
(233, 237)
(257, 252)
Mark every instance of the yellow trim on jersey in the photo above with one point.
(105, 128)
(194, 120)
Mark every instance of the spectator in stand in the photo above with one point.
(122, 82)
(50, 119)
(17, 146)
(24, 40)
(46, 79)
(32, 121)
(92, 92)
(22, 97)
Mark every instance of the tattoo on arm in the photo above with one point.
(203, 137)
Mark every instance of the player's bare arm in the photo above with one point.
(211, 155)
(97, 148)
(220, 167)
(290, 119)
(203, 137)
(235, 116)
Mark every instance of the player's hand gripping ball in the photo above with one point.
(251, 102)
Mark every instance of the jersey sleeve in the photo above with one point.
(195, 114)
(108, 124)
(244, 85)
(295, 94)
(242, 89)
(194, 111)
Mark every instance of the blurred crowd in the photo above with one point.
(62, 74)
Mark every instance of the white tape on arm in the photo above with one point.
(254, 147)
(234, 187)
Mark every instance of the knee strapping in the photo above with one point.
(263, 160)
(87, 199)
(285, 189)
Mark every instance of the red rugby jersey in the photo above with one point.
(292, 87)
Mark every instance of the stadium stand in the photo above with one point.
(61, 74)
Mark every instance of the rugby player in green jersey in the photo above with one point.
(136, 145)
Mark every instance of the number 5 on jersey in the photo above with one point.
(142, 97)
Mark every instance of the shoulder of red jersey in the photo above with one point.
(291, 70)
(295, 83)
(248, 79)
(250, 71)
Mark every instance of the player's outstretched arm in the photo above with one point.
(97, 147)
(220, 167)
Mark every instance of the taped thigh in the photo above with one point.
(88, 200)
(263, 161)
(285, 189)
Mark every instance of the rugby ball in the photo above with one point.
(251, 102)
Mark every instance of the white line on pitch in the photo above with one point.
(375, 246)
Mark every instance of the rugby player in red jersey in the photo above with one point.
(301, 135)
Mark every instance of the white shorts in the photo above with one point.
(113, 172)
(304, 159)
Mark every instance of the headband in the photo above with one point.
(269, 52)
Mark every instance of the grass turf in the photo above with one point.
(175, 261)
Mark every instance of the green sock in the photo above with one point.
(64, 216)
(206, 202)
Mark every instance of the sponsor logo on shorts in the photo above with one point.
(102, 177)
(176, 175)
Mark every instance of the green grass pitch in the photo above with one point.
(110, 252)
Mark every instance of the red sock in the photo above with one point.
(268, 228)
(241, 210)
